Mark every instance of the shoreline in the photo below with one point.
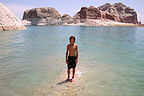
(117, 25)
(93, 25)
(87, 23)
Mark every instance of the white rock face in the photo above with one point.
(8, 21)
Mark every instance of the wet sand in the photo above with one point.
(60, 87)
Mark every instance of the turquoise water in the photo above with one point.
(113, 58)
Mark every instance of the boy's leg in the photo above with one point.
(73, 74)
(68, 72)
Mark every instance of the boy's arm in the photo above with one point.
(77, 54)
(66, 53)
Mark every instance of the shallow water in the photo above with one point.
(112, 56)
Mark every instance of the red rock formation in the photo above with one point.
(106, 15)
(117, 12)
(93, 13)
(83, 13)
(121, 12)
(89, 13)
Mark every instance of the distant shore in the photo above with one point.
(109, 24)
(116, 14)
(88, 23)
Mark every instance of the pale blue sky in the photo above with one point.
(70, 6)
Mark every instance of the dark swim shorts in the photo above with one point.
(71, 62)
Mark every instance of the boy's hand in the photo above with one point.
(76, 61)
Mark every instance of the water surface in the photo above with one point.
(112, 56)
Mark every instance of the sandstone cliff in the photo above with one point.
(8, 21)
(117, 12)
(120, 12)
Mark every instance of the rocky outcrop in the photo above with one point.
(42, 16)
(8, 21)
(117, 12)
(89, 13)
(43, 12)
(120, 12)
(66, 19)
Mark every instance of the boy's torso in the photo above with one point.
(72, 49)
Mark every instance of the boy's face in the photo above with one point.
(71, 40)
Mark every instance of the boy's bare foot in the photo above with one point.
(72, 79)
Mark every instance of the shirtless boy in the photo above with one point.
(72, 59)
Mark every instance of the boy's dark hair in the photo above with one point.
(71, 38)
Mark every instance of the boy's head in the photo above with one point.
(72, 39)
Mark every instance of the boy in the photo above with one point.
(72, 59)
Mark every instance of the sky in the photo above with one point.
(70, 7)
